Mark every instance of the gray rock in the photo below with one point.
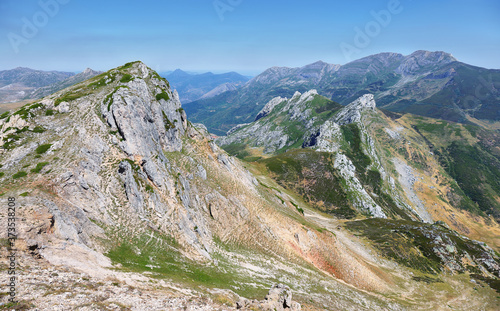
(63, 107)
(235, 128)
(134, 196)
(268, 108)
(279, 297)
(352, 112)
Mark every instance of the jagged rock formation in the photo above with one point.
(353, 135)
(322, 131)
(114, 161)
(296, 117)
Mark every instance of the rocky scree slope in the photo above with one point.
(110, 173)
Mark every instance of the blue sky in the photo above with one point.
(246, 36)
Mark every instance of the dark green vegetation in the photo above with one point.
(127, 66)
(19, 174)
(39, 167)
(126, 78)
(472, 90)
(43, 148)
(168, 124)
(10, 141)
(429, 248)
(475, 167)
(99, 83)
(18, 305)
(27, 111)
(38, 129)
(69, 97)
(238, 150)
(163, 95)
(14, 139)
(312, 175)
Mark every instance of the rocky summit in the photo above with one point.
(123, 204)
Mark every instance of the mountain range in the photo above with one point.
(432, 84)
(192, 87)
(123, 203)
(25, 84)
(52, 88)
(16, 84)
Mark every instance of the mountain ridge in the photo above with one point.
(16, 83)
(52, 88)
(419, 83)
(195, 86)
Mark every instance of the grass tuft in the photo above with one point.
(43, 148)
(19, 174)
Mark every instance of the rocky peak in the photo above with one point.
(269, 107)
(271, 75)
(437, 56)
(321, 65)
(423, 62)
(353, 112)
(89, 71)
(385, 59)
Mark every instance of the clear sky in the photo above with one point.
(246, 36)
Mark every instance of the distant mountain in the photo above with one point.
(16, 83)
(431, 84)
(226, 87)
(195, 86)
(49, 89)
(32, 78)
